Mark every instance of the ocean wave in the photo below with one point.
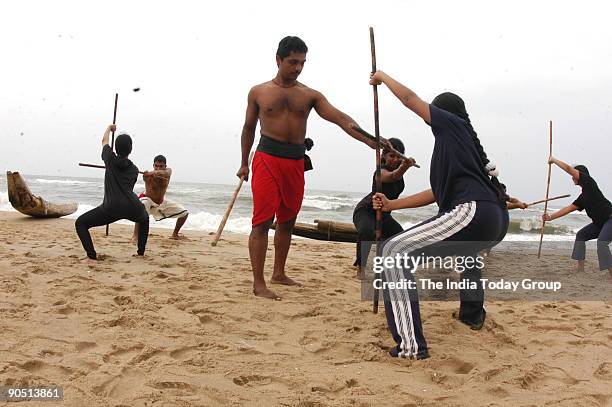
(61, 181)
(533, 225)
(5, 204)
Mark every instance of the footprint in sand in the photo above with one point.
(185, 352)
(541, 374)
(184, 387)
(252, 380)
(84, 346)
(604, 371)
(41, 368)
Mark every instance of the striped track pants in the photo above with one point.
(483, 224)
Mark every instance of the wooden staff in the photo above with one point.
(229, 207)
(390, 148)
(103, 167)
(547, 189)
(113, 134)
(378, 176)
(549, 199)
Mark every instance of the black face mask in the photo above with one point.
(451, 103)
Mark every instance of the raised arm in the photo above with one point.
(561, 212)
(344, 121)
(423, 198)
(565, 167)
(107, 133)
(248, 134)
(405, 95)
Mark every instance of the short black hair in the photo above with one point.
(159, 159)
(290, 44)
(123, 145)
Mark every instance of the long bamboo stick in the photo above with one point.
(99, 166)
(113, 134)
(547, 188)
(229, 207)
(549, 199)
(378, 175)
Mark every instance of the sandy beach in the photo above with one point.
(181, 328)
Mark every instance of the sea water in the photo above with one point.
(207, 203)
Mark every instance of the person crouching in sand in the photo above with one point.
(120, 202)
(364, 216)
(154, 198)
(597, 207)
(472, 214)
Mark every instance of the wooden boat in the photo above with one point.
(326, 230)
(25, 202)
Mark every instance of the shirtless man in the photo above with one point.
(282, 106)
(156, 184)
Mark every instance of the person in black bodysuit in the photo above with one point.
(364, 216)
(120, 201)
(597, 207)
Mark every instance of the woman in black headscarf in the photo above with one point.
(472, 217)
(597, 207)
(392, 173)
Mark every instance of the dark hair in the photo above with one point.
(123, 145)
(159, 159)
(290, 44)
(397, 144)
(454, 104)
(582, 169)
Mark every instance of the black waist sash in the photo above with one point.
(279, 149)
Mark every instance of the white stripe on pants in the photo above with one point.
(416, 238)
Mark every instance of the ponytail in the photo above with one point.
(489, 168)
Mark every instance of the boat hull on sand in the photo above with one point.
(29, 204)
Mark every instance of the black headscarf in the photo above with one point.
(454, 104)
(582, 169)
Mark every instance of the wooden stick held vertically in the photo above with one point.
(113, 134)
(547, 189)
(229, 207)
(378, 176)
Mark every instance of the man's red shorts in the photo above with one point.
(278, 188)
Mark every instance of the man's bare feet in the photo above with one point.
(138, 256)
(178, 237)
(284, 280)
(265, 292)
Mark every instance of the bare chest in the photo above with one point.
(283, 101)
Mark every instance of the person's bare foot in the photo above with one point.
(265, 292)
(284, 280)
(178, 237)
(138, 256)
(89, 262)
(580, 268)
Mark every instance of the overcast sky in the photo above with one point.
(516, 64)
